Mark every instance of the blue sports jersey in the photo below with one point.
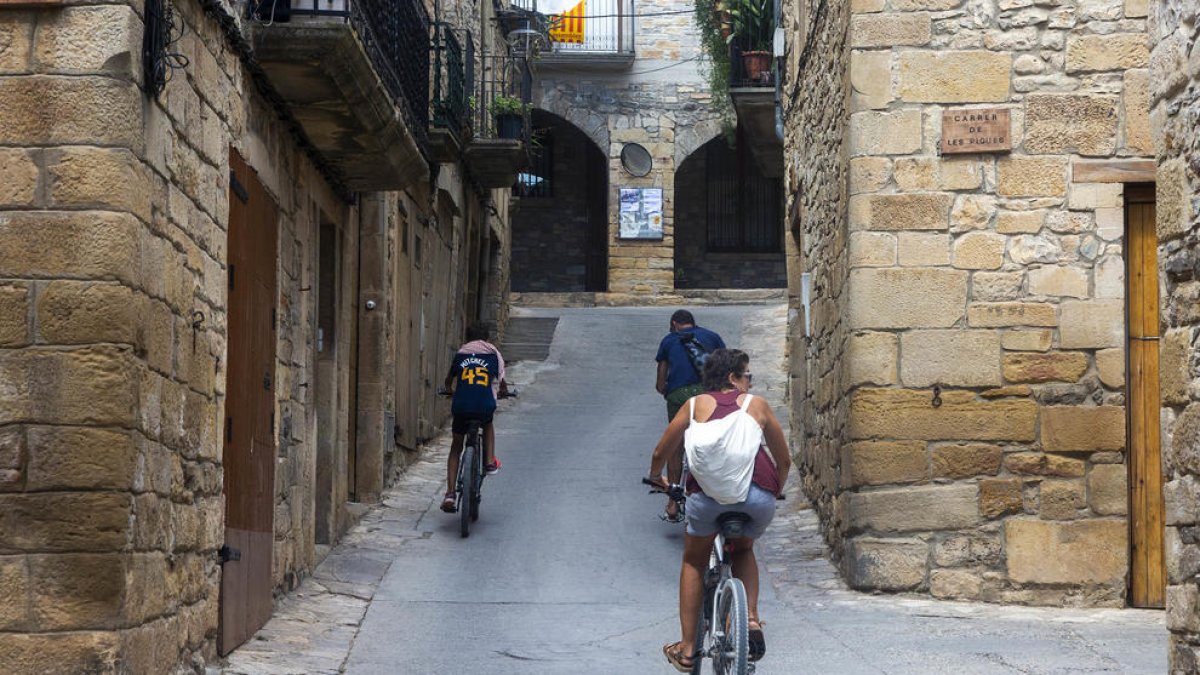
(473, 375)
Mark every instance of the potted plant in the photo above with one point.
(752, 33)
(509, 114)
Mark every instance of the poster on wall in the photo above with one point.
(641, 213)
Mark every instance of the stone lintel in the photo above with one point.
(1114, 171)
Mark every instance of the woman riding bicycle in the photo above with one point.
(727, 381)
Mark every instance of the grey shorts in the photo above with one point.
(702, 512)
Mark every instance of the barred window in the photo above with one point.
(744, 208)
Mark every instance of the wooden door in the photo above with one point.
(1147, 576)
(249, 447)
(330, 448)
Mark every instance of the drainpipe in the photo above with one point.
(778, 52)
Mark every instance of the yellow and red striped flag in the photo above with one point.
(568, 26)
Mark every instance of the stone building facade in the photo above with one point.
(152, 242)
(961, 317)
(651, 91)
(1174, 104)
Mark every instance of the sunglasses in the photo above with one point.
(749, 376)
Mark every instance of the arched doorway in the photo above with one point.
(560, 229)
(728, 220)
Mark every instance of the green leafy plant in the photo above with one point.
(508, 105)
(752, 29)
(714, 42)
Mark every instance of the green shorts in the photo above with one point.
(678, 397)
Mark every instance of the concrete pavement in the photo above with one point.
(569, 569)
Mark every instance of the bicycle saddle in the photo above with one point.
(733, 524)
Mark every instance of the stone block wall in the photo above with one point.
(114, 215)
(670, 119)
(1175, 102)
(815, 159)
(982, 455)
(662, 102)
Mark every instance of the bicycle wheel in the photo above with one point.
(467, 486)
(731, 649)
(477, 476)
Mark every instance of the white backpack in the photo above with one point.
(720, 453)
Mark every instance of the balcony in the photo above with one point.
(752, 78)
(355, 74)
(591, 35)
(499, 148)
(453, 86)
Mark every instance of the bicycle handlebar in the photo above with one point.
(673, 491)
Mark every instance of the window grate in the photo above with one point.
(744, 208)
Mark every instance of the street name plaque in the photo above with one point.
(976, 130)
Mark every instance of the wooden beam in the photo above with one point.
(1114, 171)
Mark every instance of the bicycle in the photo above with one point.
(469, 485)
(723, 627)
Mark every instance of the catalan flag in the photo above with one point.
(568, 26)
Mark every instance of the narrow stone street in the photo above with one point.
(570, 570)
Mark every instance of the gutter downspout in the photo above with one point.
(779, 52)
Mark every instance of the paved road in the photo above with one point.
(569, 571)
(568, 568)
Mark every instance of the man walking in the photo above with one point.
(681, 355)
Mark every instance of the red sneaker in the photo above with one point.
(493, 467)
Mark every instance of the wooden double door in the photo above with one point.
(249, 445)
(1147, 574)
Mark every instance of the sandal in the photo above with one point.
(669, 517)
(674, 653)
(676, 517)
(450, 503)
(758, 644)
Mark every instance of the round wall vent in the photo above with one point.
(636, 159)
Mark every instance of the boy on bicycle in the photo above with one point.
(476, 379)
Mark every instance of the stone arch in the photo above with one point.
(560, 229)
(691, 138)
(728, 220)
(564, 105)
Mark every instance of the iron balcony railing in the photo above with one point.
(586, 27)
(395, 34)
(453, 78)
(501, 80)
(753, 69)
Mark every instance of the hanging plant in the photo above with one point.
(715, 31)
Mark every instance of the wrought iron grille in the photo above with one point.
(451, 77)
(587, 26)
(500, 76)
(744, 209)
(395, 34)
(537, 180)
(740, 70)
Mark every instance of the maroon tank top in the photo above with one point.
(764, 468)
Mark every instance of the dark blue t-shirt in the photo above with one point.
(680, 372)
(473, 375)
